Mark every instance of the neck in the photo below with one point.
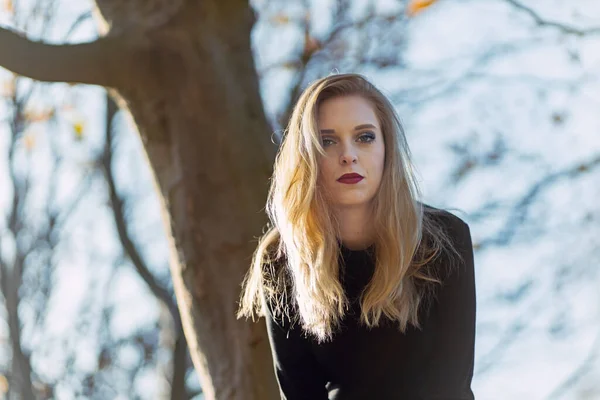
(356, 227)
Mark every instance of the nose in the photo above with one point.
(347, 160)
(348, 155)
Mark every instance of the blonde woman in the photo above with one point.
(367, 292)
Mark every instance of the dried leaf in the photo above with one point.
(8, 87)
(417, 6)
(289, 65)
(29, 141)
(78, 128)
(311, 45)
(9, 7)
(38, 116)
(280, 19)
(3, 384)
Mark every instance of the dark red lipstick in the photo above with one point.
(350, 178)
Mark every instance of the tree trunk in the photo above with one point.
(169, 307)
(21, 366)
(192, 89)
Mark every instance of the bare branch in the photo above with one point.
(520, 209)
(193, 394)
(439, 85)
(579, 373)
(557, 25)
(180, 351)
(81, 19)
(158, 290)
(95, 63)
(314, 48)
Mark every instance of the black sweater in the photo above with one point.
(382, 363)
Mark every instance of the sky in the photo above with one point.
(479, 82)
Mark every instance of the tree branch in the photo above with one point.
(80, 20)
(557, 25)
(96, 63)
(180, 351)
(586, 366)
(314, 47)
(160, 292)
(521, 208)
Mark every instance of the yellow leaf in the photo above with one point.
(8, 88)
(311, 45)
(417, 6)
(78, 127)
(29, 141)
(8, 6)
(280, 19)
(3, 384)
(289, 65)
(38, 116)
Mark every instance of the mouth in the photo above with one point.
(350, 178)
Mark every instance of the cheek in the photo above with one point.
(380, 164)
(322, 175)
(324, 168)
(382, 157)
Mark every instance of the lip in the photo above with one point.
(350, 178)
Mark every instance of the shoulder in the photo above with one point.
(455, 226)
(457, 254)
(277, 292)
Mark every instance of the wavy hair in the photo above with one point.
(295, 266)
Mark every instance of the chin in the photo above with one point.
(351, 203)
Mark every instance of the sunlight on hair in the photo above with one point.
(295, 265)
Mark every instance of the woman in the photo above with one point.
(368, 293)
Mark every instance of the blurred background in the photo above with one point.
(501, 105)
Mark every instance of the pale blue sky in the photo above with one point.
(501, 78)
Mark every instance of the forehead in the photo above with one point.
(346, 110)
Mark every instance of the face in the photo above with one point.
(353, 143)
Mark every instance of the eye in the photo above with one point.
(325, 141)
(365, 138)
(368, 137)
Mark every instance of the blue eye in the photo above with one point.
(370, 136)
(366, 138)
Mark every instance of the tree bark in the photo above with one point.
(21, 363)
(180, 348)
(192, 89)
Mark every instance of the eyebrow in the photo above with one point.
(356, 128)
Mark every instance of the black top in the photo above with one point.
(382, 363)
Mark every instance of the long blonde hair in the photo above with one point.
(295, 264)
